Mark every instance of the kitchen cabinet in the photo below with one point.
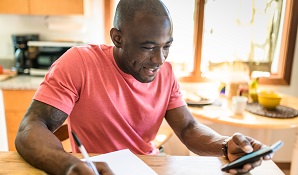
(56, 7)
(16, 103)
(14, 7)
(44, 7)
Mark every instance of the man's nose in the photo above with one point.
(159, 57)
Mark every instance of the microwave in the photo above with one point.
(45, 54)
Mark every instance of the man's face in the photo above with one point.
(146, 44)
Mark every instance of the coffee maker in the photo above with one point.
(22, 53)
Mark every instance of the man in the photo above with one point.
(116, 98)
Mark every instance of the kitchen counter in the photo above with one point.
(21, 82)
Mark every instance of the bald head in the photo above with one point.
(127, 9)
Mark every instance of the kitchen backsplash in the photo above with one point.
(7, 63)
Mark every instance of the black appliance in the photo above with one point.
(22, 53)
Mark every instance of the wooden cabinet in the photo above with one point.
(56, 7)
(16, 103)
(14, 7)
(42, 7)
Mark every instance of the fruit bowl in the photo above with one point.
(269, 99)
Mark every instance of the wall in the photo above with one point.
(88, 28)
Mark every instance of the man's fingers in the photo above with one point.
(242, 142)
(246, 168)
(103, 168)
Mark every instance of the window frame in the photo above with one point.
(109, 8)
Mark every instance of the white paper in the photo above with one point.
(124, 162)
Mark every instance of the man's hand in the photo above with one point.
(238, 146)
(82, 168)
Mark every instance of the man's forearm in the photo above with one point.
(41, 148)
(204, 141)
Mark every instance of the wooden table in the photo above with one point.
(249, 120)
(13, 164)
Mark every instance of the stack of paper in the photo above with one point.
(124, 162)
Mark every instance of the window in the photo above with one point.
(288, 30)
(181, 52)
(204, 28)
(242, 31)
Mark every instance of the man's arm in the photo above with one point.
(36, 142)
(202, 140)
(38, 145)
(198, 138)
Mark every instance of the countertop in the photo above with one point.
(21, 82)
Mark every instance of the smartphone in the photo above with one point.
(251, 157)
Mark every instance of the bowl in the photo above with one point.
(269, 99)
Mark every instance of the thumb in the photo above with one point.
(243, 142)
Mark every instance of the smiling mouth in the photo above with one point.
(151, 71)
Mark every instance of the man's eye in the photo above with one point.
(167, 47)
(148, 48)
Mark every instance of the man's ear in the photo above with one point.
(116, 36)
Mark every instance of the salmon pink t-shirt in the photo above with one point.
(108, 109)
